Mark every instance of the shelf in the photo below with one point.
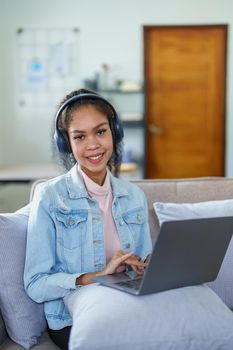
(128, 167)
(133, 123)
(129, 118)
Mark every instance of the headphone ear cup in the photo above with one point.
(117, 129)
(62, 142)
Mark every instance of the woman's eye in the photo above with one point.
(101, 132)
(79, 137)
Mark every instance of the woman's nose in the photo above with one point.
(92, 146)
(92, 143)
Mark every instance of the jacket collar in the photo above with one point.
(77, 189)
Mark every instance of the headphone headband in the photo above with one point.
(60, 136)
(80, 97)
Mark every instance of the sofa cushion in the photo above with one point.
(223, 285)
(180, 319)
(24, 319)
(183, 191)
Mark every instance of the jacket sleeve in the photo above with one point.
(42, 282)
(144, 246)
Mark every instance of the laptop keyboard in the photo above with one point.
(131, 284)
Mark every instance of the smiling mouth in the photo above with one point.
(97, 157)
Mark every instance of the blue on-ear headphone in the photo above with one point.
(60, 135)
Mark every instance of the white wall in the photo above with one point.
(111, 32)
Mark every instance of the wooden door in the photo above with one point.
(185, 73)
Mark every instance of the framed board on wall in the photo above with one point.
(47, 67)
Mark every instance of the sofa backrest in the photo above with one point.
(176, 191)
(183, 191)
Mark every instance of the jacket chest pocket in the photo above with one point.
(71, 228)
(135, 220)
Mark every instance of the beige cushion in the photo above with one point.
(179, 191)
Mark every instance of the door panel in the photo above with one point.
(185, 100)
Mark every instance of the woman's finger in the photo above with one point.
(126, 256)
(135, 262)
(121, 253)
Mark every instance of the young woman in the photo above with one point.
(86, 222)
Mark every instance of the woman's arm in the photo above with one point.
(42, 281)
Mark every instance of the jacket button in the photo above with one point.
(121, 223)
(97, 241)
(139, 217)
(127, 245)
(71, 221)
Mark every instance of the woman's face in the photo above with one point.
(91, 141)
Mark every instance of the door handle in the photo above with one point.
(152, 128)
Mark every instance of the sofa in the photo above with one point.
(161, 191)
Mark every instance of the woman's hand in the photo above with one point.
(121, 260)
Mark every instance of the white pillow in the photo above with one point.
(180, 319)
(223, 285)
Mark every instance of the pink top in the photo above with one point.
(103, 195)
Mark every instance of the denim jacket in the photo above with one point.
(65, 238)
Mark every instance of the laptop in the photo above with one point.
(186, 253)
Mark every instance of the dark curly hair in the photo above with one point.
(66, 118)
